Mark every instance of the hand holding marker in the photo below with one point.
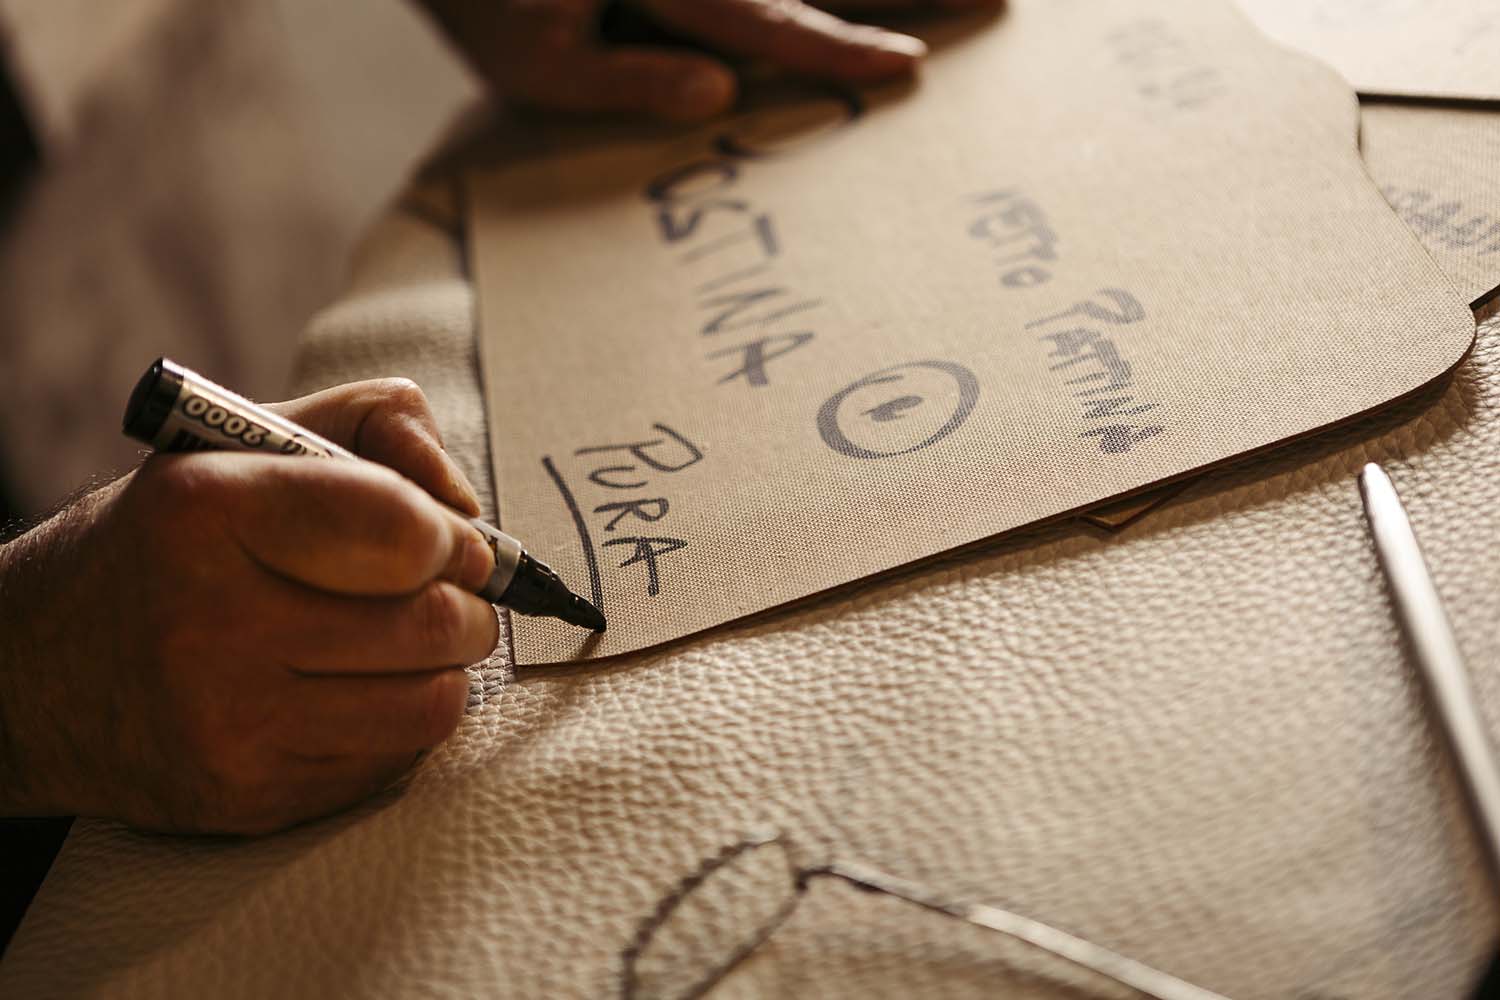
(176, 409)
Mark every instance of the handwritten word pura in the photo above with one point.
(629, 521)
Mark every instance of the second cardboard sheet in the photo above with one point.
(1100, 245)
(1395, 48)
(1440, 170)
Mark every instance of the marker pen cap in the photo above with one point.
(151, 402)
(175, 409)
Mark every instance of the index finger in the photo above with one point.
(793, 35)
(891, 6)
(341, 526)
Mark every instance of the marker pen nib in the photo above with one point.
(583, 614)
(535, 589)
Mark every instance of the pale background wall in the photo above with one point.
(209, 164)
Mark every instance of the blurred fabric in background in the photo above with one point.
(204, 169)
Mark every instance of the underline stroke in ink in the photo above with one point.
(596, 584)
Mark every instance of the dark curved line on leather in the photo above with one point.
(668, 904)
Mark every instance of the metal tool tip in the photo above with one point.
(1375, 488)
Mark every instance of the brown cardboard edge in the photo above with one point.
(1452, 102)
(1484, 301)
(1117, 514)
(1176, 483)
(467, 244)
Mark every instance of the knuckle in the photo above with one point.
(402, 395)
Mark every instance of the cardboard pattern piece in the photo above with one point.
(1394, 48)
(1440, 170)
(1099, 246)
(1435, 165)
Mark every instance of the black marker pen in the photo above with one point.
(176, 409)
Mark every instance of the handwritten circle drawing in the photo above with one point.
(898, 410)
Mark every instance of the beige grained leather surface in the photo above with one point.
(1197, 741)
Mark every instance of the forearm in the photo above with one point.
(42, 632)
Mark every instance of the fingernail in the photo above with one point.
(905, 44)
(701, 95)
(897, 43)
(478, 562)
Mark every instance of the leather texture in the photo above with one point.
(1198, 741)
